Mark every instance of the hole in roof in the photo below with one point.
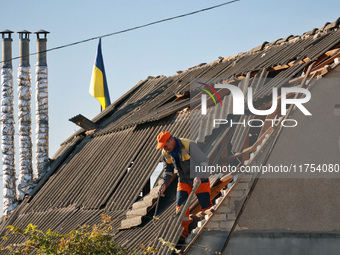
(272, 74)
(129, 167)
(154, 179)
(156, 174)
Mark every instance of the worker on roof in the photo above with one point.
(177, 153)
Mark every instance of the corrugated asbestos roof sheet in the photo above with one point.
(149, 95)
(106, 171)
(150, 230)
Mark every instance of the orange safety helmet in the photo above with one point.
(162, 138)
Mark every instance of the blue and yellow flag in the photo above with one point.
(98, 86)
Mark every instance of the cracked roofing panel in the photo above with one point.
(160, 89)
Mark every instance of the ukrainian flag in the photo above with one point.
(98, 86)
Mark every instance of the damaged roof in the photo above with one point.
(105, 171)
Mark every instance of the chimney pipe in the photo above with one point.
(7, 48)
(7, 125)
(42, 127)
(25, 129)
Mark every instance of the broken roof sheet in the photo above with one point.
(153, 92)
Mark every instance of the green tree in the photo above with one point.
(85, 240)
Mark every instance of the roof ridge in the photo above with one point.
(328, 27)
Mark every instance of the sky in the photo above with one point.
(161, 49)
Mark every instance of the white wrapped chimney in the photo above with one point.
(7, 125)
(24, 114)
(41, 104)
